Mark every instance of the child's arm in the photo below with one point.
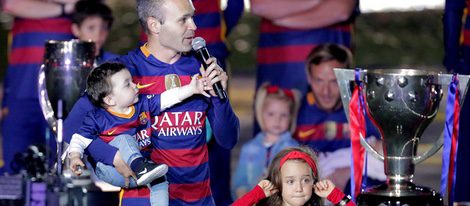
(75, 162)
(268, 187)
(177, 95)
(264, 189)
(326, 189)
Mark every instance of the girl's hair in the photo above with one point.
(274, 175)
(267, 91)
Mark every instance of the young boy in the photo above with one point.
(120, 119)
(92, 20)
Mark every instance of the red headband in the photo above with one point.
(271, 89)
(299, 155)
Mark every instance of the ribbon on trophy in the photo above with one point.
(358, 131)
(451, 135)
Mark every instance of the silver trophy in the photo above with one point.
(402, 102)
(62, 78)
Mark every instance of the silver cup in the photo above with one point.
(402, 102)
(62, 78)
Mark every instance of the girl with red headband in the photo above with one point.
(293, 181)
(276, 110)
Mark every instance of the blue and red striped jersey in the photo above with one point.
(322, 131)
(178, 133)
(27, 51)
(325, 131)
(106, 124)
(282, 51)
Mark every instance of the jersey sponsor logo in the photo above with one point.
(142, 86)
(172, 81)
(179, 123)
(143, 137)
(306, 133)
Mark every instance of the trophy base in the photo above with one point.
(399, 195)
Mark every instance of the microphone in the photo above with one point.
(199, 47)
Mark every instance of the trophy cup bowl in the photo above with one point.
(62, 78)
(401, 103)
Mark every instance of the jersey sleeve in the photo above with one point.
(224, 122)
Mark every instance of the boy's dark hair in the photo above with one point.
(89, 8)
(98, 82)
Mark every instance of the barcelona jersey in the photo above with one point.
(106, 124)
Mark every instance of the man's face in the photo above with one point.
(177, 31)
(324, 86)
(92, 28)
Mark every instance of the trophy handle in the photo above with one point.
(44, 101)
(344, 78)
(435, 147)
(444, 79)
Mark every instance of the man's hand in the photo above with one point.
(268, 187)
(123, 169)
(75, 162)
(214, 73)
(323, 188)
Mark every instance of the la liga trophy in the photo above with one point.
(62, 78)
(402, 103)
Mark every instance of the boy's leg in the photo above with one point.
(159, 192)
(110, 175)
(128, 147)
(130, 153)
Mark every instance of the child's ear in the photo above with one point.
(76, 30)
(153, 25)
(109, 100)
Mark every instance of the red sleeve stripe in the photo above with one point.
(35, 55)
(190, 192)
(56, 25)
(283, 54)
(181, 157)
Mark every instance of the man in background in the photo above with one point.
(23, 123)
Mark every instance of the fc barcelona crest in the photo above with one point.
(143, 118)
(172, 81)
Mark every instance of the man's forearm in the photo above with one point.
(325, 14)
(33, 9)
(224, 123)
(101, 151)
(274, 9)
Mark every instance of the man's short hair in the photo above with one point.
(88, 8)
(149, 8)
(99, 84)
(328, 52)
